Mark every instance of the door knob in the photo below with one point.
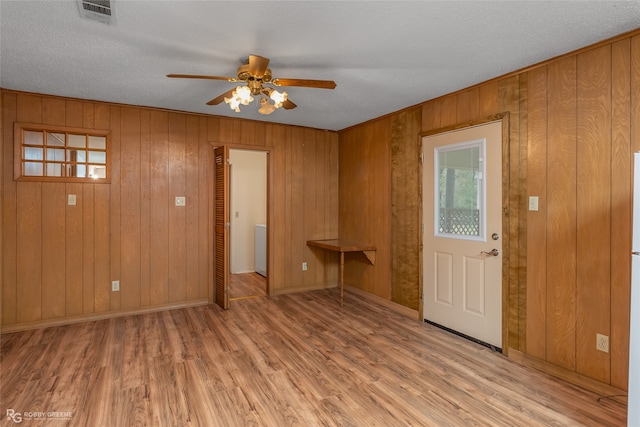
(492, 252)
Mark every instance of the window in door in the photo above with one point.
(460, 191)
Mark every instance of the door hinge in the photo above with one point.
(422, 158)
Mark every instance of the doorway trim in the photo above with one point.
(507, 238)
(268, 151)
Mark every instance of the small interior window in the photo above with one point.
(54, 153)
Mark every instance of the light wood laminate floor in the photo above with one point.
(246, 285)
(290, 360)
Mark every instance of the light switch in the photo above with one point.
(533, 203)
(181, 201)
(71, 199)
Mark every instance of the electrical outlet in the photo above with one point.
(181, 201)
(304, 266)
(71, 199)
(115, 285)
(602, 343)
(533, 203)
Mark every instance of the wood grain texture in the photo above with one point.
(115, 205)
(593, 281)
(131, 230)
(621, 210)
(177, 214)
(253, 366)
(9, 213)
(53, 250)
(130, 209)
(405, 216)
(537, 221)
(364, 158)
(159, 209)
(247, 285)
(509, 100)
(371, 164)
(561, 215)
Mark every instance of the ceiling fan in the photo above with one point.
(257, 75)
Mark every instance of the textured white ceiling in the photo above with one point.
(383, 55)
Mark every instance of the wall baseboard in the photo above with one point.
(283, 291)
(398, 308)
(40, 324)
(604, 390)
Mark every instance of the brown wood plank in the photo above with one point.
(130, 216)
(88, 248)
(74, 224)
(203, 162)
(449, 111)
(88, 115)
(29, 252)
(9, 213)
(102, 241)
(29, 108)
(635, 91)
(297, 208)
(320, 201)
(489, 100)
(53, 249)
(276, 140)
(177, 214)
(53, 111)
(561, 214)
(536, 221)
(406, 208)
(74, 113)
(621, 211)
(145, 207)
(115, 203)
(191, 193)
(523, 109)
(593, 281)
(253, 365)
(159, 215)
(312, 214)
(509, 100)
(246, 285)
(428, 116)
(468, 105)
(73, 255)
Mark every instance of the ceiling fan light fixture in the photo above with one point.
(240, 96)
(266, 107)
(278, 98)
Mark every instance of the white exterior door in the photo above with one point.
(462, 209)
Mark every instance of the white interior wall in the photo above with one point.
(248, 205)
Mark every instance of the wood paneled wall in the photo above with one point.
(58, 261)
(365, 215)
(572, 132)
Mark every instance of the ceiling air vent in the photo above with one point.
(97, 10)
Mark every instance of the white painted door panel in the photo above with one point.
(462, 278)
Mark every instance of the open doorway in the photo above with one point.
(248, 231)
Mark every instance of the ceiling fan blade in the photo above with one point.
(217, 100)
(258, 65)
(319, 84)
(194, 76)
(288, 105)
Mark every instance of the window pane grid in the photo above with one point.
(60, 154)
